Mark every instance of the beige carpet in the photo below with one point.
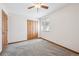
(36, 47)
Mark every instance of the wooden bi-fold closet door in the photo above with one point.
(4, 29)
(32, 29)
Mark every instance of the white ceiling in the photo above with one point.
(21, 9)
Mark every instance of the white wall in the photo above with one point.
(64, 25)
(0, 31)
(17, 28)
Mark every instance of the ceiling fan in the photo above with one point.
(39, 5)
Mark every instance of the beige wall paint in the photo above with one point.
(64, 25)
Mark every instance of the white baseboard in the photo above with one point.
(0, 50)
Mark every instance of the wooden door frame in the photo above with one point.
(4, 16)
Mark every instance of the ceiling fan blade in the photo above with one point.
(30, 7)
(45, 7)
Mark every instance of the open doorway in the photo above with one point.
(32, 29)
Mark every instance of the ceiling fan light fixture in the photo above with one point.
(38, 6)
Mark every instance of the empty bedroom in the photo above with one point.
(39, 29)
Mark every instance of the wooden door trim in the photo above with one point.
(4, 29)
